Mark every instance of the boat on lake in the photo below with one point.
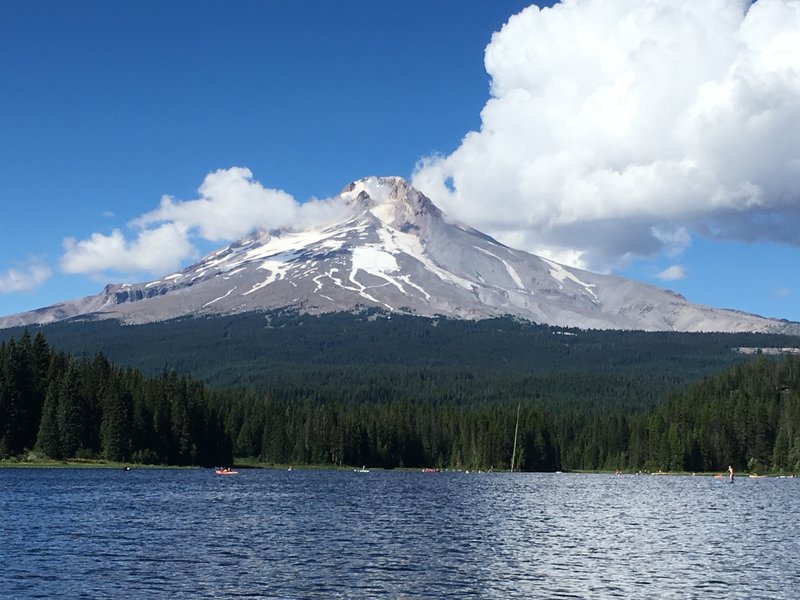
(226, 471)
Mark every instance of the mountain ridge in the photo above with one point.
(396, 250)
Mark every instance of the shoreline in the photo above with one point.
(77, 463)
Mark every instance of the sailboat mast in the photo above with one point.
(516, 431)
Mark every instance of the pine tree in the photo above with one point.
(48, 439)
(71, 414)
(15, 393)
(115, 429)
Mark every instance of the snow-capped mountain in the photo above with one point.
(396, 250)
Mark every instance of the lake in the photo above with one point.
(101, 533)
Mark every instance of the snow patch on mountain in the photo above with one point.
(560, 273)
(228, 293)
(509, 269)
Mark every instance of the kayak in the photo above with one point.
(225, 472)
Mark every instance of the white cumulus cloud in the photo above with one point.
(152, 251)
(672, 273)
(231, 204)
(25, 279)
(617, 128)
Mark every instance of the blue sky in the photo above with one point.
(106, 107)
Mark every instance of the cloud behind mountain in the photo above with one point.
(616, 128)
(231, 204)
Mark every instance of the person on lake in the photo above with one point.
(730, 473)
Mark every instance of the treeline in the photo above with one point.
(395, 434)
(747, 416)
(65, 407)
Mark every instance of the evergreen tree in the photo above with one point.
(71, 413)
(116, 425)
(16, 394)
(48, 440)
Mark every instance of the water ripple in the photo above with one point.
(306, 534)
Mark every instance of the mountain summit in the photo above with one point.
(396, 250)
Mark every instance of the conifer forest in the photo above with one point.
(62, 405)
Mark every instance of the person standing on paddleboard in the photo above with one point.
(730, 473)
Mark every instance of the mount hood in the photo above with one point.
(396, 250)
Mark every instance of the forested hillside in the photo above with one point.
(748, 416)
(88, 408)
(375, 356)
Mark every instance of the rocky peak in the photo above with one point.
(392, 199)
(377, 188)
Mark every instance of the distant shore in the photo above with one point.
(81, 463)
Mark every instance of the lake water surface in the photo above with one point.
(98, 533)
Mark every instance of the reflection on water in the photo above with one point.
(311, 534)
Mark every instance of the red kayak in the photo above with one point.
(225, 472)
